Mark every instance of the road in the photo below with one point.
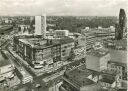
(37, 80)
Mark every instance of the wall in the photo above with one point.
(93, 87)
(93, 63)
(103, 61)
(65, 50)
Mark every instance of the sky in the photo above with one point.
(62, 7)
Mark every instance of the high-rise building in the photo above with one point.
(121, 28)
(40, 25)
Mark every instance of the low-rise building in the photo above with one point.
(61, 33)
(97, 59)
(120, 69)
(23, 75)
(116, 44)
(6, 68)
(90, 39)
(107, 81)
(77, 80)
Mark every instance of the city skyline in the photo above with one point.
(62, 7)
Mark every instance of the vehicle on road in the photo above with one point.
(37, 85)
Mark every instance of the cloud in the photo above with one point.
(61, 7)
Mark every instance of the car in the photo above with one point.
(11, 76)
(38, 66)
(37, 85)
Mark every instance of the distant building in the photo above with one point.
(112, 28)
(99, 27)
(40, 25)
(6, 68)
(23, 29)
(121, 27)
(61, 33)
(97, 59)
(87, 28)
(66, 46)
(116, 44)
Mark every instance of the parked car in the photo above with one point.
(37, 85)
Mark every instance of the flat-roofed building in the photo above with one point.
(61, 33)
(40, 52)
(97, 59)
(77, 80)
(107, 81)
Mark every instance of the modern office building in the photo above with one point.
(90, 39)
(121, 27)
(61, 33)
(116, 44)
(40, 25)
(97, 59)
(43, 52)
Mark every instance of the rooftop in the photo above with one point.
(3, 60)
(64, 40)
(117, 63)
(119, 56)
(79, 77)
(107, 78)
(98, 52)
(42, 43)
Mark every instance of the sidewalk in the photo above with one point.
(53, 76)
(22, 62)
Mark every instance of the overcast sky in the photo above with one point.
(62, 7)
